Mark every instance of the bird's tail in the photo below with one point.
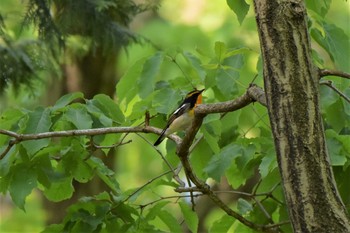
(161, 138)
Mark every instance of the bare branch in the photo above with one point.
(329, 83)
(325, 72)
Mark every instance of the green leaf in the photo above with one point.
(39, 121)
(337, 156)
(97, 113)
(336, 117)
(221, 162)
(9, 118)
(67, 99)
(78, 115)
(223, 224)
(53, 228)
(244, 206)
(226, 81)
(211, 133)
(267, 164)
(149, 72)
(220, 50)
(22, 183)
(196, 64)
(170, 221)
(104, 173)
(108, 107)
(190, 217)
(165, 100)
(154, 210)
(235, 52)
(240, 7)
(60, 190)
(335, 42)
(126, 87)
(319, 7)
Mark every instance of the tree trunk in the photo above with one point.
(93, 74)
(292, 92)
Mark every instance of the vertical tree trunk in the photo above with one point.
(93, 74)
(292, 92)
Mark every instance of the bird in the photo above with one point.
(182, 117)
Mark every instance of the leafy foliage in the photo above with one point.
(235, 148)
(100, 24)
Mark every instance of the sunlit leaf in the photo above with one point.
(170, 221)
(67, 99)
(60, 190)
(148, 75)
(240, 7)
(126, 87)
(223, 224)
(190, 216)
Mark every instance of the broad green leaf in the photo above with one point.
(39, 121)
(154, 210)
(319, 7)
(236, 52)
(126, 87)
(7, 161)
(335, 42)
(220, 50)
(190, 217)
(104, 173)
(124, 212)
(9, 118)
(148, 76)
(67, 99)
(196, 65)
(79, 117)
(335, 150)
(211, 133)
(226, 81)
(108, 107)
(221, 162)
(22, 183)
(165, 100)
(243, 206)
(83, 173)
(96, 113)
(60, 190)
(240, 7)
(336, 117)
(222, 225)
(268, 163)
(170, 221)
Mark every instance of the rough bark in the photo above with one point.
(292, 92)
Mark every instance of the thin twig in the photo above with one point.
(329, 83)
(175, 175)
(147, 183)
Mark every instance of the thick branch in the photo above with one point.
(253, 93)
(80, 132)
(325, 72)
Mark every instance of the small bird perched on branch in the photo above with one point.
(182, 117)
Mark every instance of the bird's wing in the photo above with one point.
(178, 112)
